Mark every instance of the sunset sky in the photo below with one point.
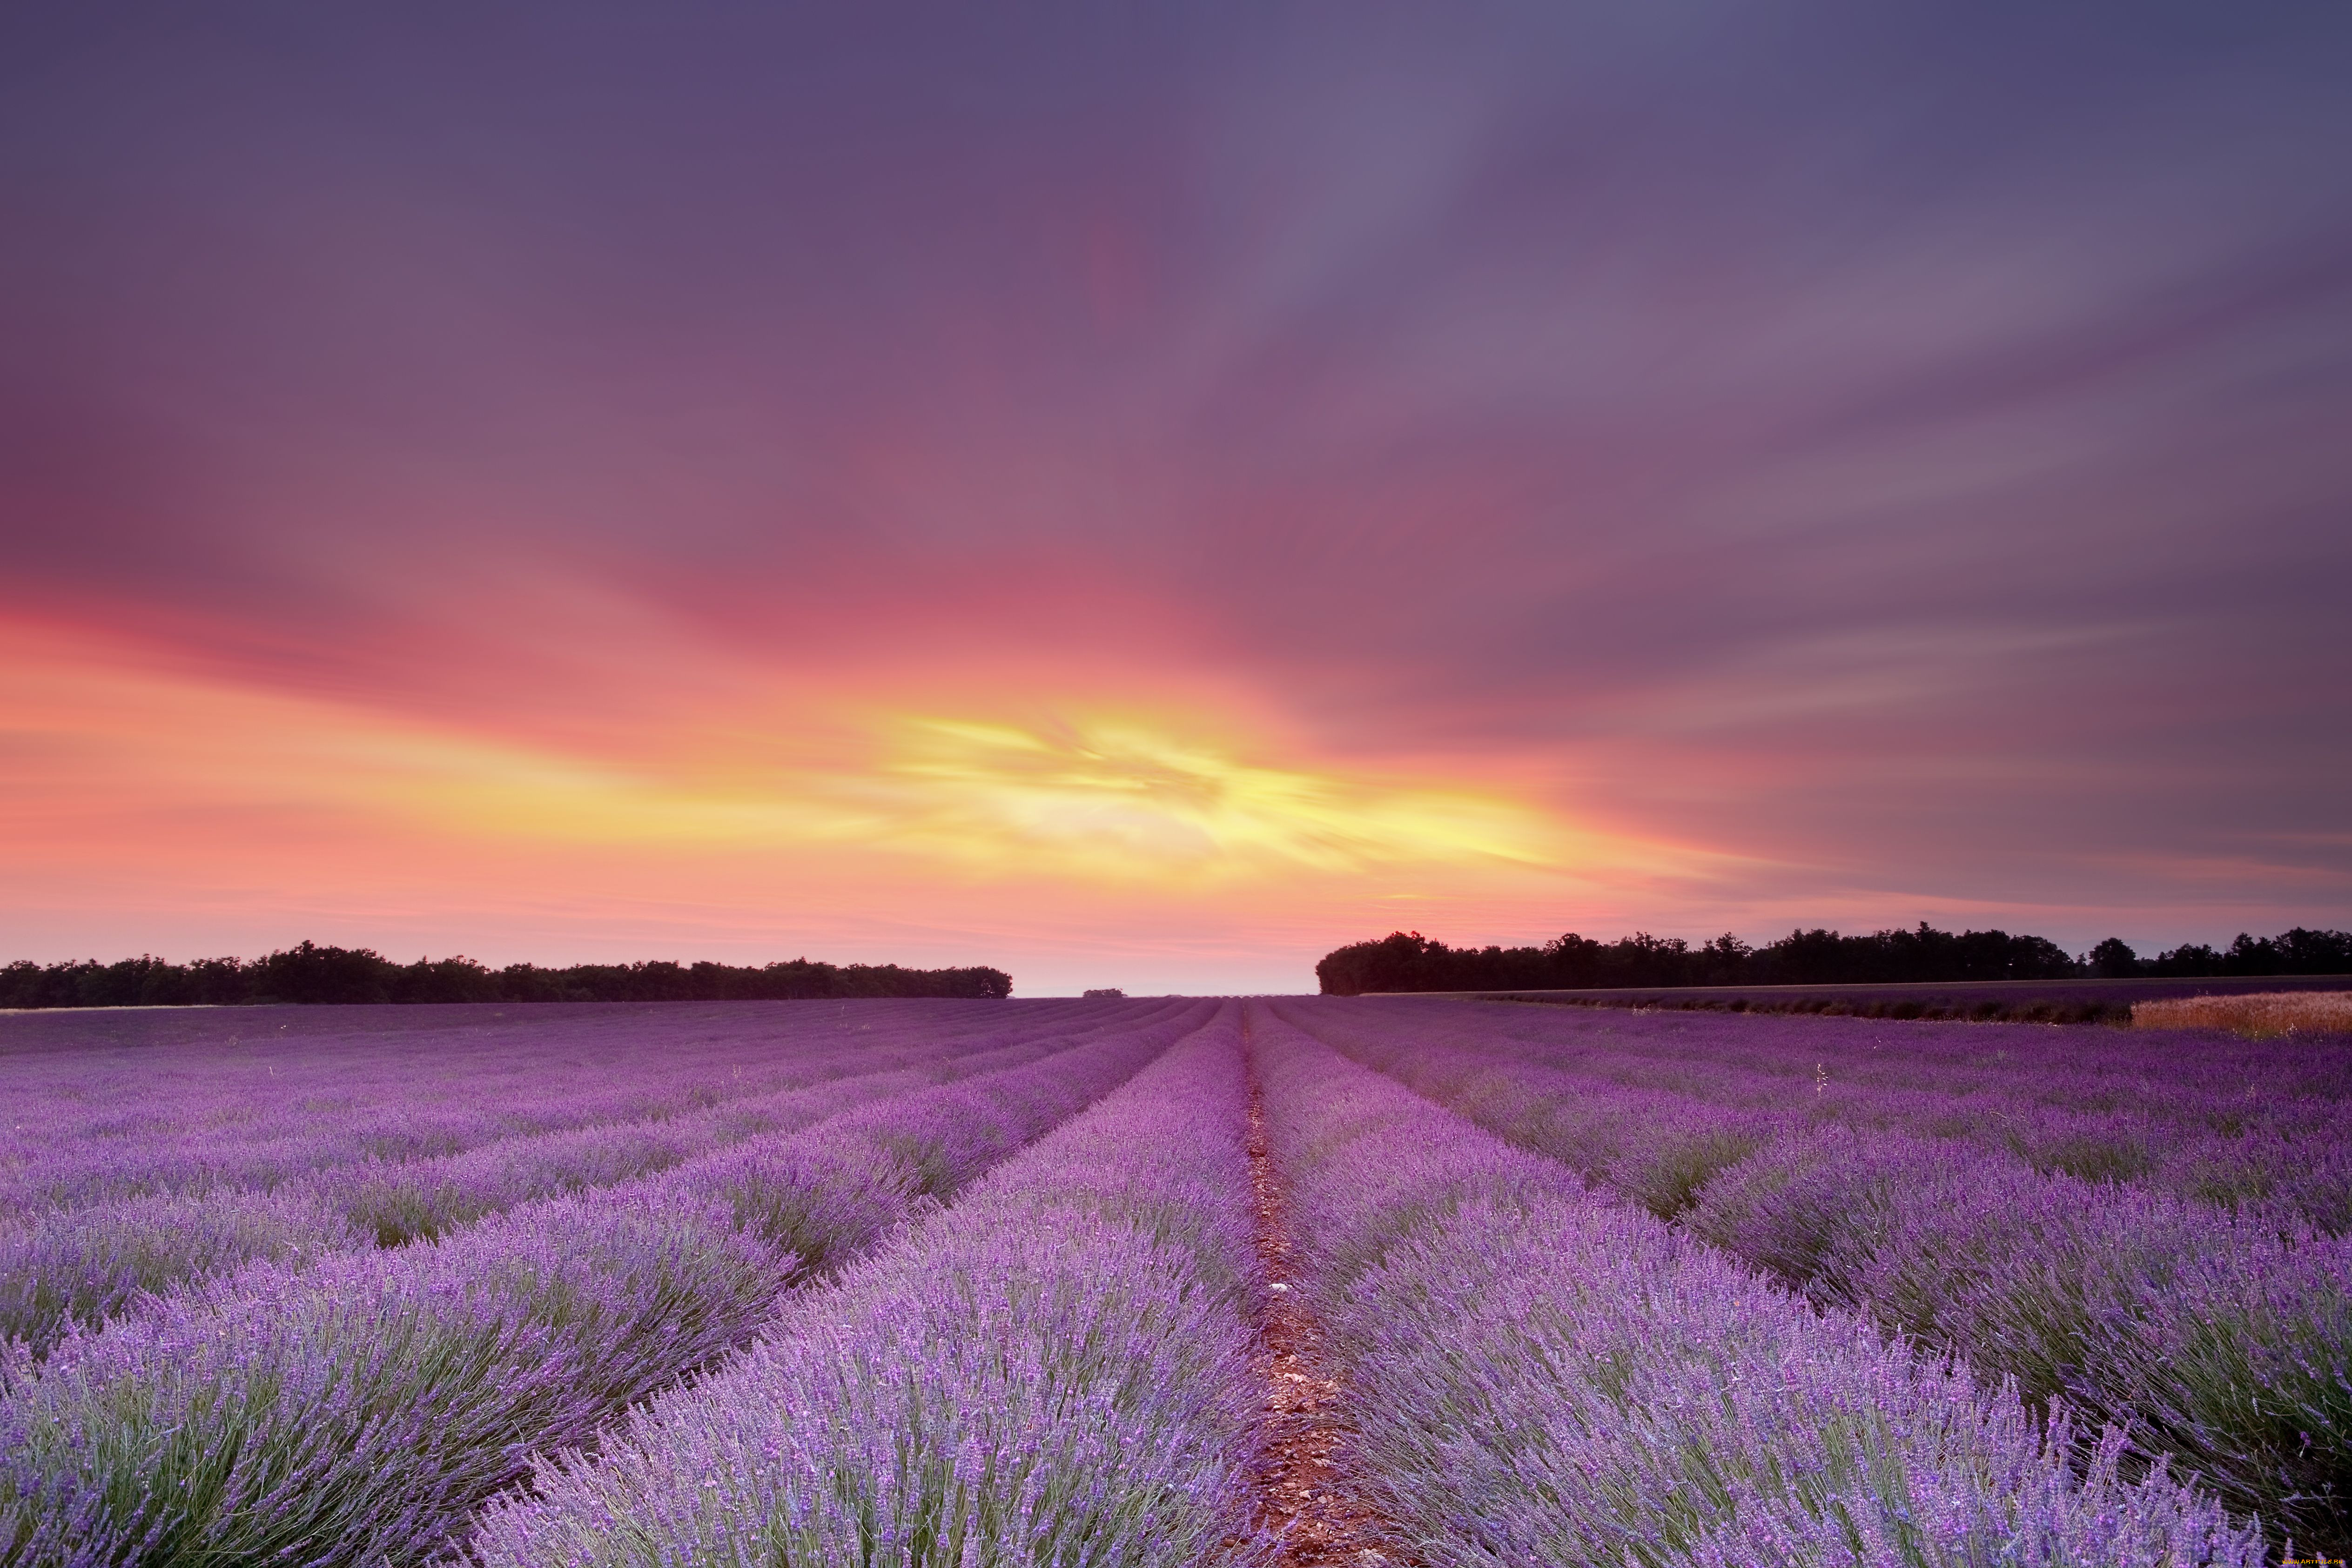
(1143, 495)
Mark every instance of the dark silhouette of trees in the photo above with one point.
(314, 975)
(1408, 961)
(309, 974)
(2297, 952)
(2305, 952)
(2301, 951)
(2112, 959)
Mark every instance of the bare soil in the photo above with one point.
(1303, 1495)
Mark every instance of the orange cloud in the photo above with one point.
(1096, 798)
(1018, 821)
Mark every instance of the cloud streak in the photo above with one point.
(1193, 485)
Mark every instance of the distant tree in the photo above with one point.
(1723, 962)
(1408, 961)
(25, 984)
(458, 979)
(2039, 959)
(1802, 959)
(219, 982)
(311, 973)
(2188, 961)
(1391, 964)
(2303, 952)
(1575, 961)
(307, 973)
(1105, 993)
(2251, 955)
(1642, 959)
(2112, 959)
(980, 980)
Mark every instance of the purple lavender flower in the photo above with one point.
(1542, 1375)
(358, 1410)
(1052, 1371)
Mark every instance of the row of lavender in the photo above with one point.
(360, 1408)
(1056, 1371)
(1053, 1373)
(2209, 1117)
(229, 1101)
(241, 1079)
(2221, 1338)
(1052, 1370)
(74, 1268)
(2088, 1069)
(1543, 1374)
(71, 1265)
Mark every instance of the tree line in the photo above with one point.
(1408, 961)
(309, 972)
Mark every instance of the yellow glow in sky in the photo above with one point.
(204, 811)
(1129, 799)
(1123, 798)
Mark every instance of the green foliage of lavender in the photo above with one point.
(1049, 1369)
(1543, 1376)
(63, 1269)
(358, 1410)
(1053, 1372)
(78, 1265)
(405, 1200)
(2219, 1338)
(98, 1105)
(2211, 1118)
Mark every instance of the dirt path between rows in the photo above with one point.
(1301, 1493)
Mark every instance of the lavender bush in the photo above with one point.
(220, 1145)
(422, 1199)
(357, 1411)
(82, 1265)
(78, 1127)
(65, 1268)
(354, 1412)
(828, 1194)
(2206, 1116)
(2221, 1341)
(1542, 1376)
(970, 1283)
(1052, 1371)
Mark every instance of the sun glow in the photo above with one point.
(1129, 798)
(1124, 797)
(994, 813)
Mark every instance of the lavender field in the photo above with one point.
(1362, 1281)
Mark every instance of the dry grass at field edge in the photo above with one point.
(2258, 1015)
